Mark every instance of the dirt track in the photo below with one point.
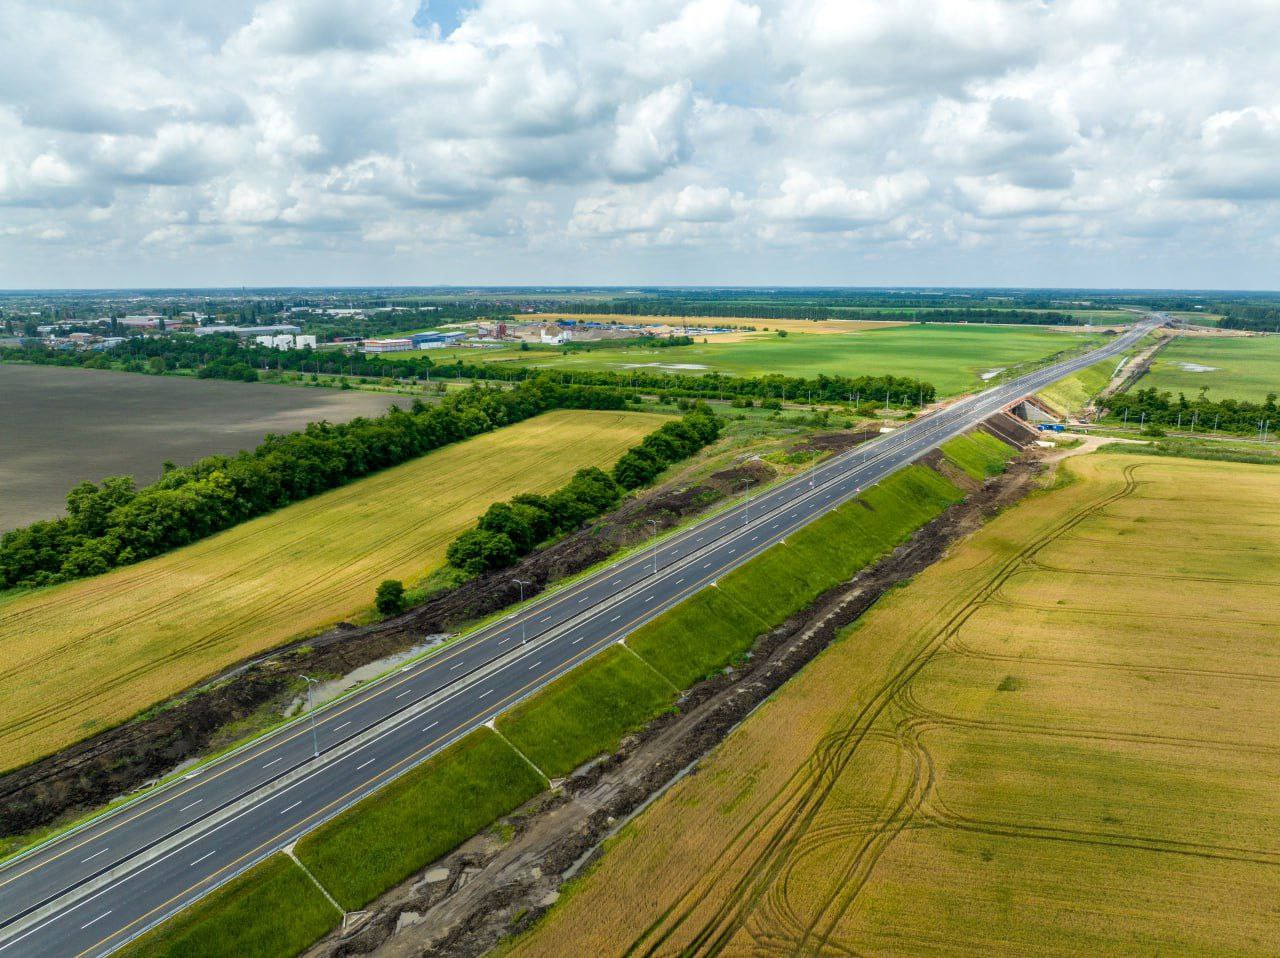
(487, 889)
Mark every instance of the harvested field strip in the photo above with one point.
(419, 817)
(705, 632)
(585, 713)
(945, 781)
(271, 911)
(85, 655)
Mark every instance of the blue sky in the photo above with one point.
(861, 142)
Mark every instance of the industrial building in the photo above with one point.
(247, 331)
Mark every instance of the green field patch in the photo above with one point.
(271, 911)
(709, 630)
(979, 454)
(417, 818)
(1243, 368)
(586, 713)
(955, 358)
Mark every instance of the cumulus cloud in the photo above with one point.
(820, 141)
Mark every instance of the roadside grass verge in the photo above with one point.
(709, 630)
(978, 454)
(422, 815)
(271, 911)
(1210, 449)
(1072, 393)
(586, 713)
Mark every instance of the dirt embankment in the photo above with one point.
(1128, 375)
(93, 772)
(489, 888)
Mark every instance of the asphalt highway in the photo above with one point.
(93, 889)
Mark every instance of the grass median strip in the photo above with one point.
(271, 911)
(417, 818)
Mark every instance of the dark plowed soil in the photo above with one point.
(487, 889)
(834, 441)
(95, 771)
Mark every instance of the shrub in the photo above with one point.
(389, 599)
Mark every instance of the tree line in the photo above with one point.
(1258, 319)
(114, 523)
(892, 390)
(509, 530)
(224, 357)
(1154, 408)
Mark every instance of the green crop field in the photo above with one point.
(1058, 740)
(81, 656)
(1245, 368)
(954, 358)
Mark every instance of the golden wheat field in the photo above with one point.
(77, 657)
(1062, 739)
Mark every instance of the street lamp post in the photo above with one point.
(524, 636)
(746, 515)
(654, 536)
(315, 741)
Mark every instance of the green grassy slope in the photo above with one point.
(271, 911)
(586, 712)
(417, 818)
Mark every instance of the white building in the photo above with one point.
(386, 345)
(286, 341)
(554, 335)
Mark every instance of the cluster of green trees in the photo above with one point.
(1154, 408)
(115, 523)
(509, 530)
(218, 357)
(893, 390)
(1259, 319)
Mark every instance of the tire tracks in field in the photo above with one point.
(791, 812)
(969, 652)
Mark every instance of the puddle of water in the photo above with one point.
(1197, 368)
(993, 373)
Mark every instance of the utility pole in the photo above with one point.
(654, 523)
(315, 741)
(524, 620)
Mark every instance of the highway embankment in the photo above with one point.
(649, 707)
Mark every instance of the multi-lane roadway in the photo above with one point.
(89, 891)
